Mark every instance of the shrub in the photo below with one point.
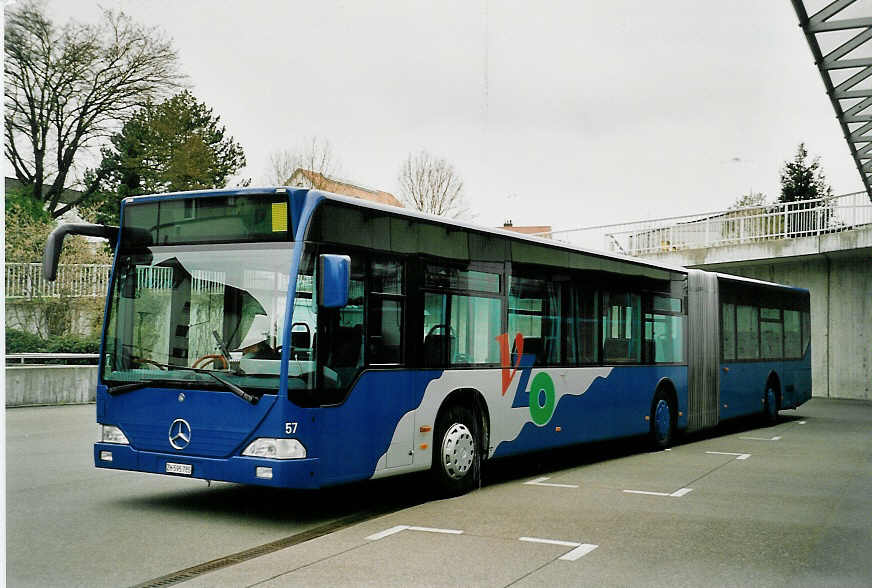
(23, 342)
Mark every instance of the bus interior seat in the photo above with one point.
(436, 349)
(616, 349)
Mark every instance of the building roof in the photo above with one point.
(308, 178)
(541, 230)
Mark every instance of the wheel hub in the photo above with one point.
(458, 451)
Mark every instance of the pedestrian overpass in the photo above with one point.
(823, 245)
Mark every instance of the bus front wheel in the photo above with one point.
(456, 451)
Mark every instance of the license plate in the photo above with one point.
(179, 468)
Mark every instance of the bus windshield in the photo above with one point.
(211, 307)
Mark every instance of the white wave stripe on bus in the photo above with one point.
(506, 422)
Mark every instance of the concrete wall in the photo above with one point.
(86, 316)
(50, 384)
(837, 269)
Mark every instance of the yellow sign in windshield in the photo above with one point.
(279, 216)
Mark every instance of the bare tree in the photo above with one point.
(314, 159)
(68, 88)
(430, 184)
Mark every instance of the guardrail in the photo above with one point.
(727, 227)
(26, 357)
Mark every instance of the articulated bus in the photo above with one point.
(301, 339)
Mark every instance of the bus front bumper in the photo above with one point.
(296, 473)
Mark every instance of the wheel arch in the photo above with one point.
(473, 400)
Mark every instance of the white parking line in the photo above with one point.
(541, 482)
(801, 423)
(677, 494)
(739, 456)
(432, 530)
(387, 532)
(761, 438)
(398, 528)
(579, 551)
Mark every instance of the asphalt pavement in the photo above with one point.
(743, 505)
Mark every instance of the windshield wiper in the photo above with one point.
(122, 388)
(250, 398)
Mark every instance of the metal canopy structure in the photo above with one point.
(846, 75)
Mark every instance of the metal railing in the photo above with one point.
(727, 227)
(25, 280)
(23, 358)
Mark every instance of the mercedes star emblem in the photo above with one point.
(180, 434)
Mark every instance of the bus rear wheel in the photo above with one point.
(662, 421)
(456, 452)
(770, 406)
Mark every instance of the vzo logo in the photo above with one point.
(540, 398)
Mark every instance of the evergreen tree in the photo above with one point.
(803, 180)
(176, 145)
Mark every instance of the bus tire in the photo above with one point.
(770, 405)
(456, 451)
(662, 421)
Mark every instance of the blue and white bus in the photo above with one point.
(301, 339)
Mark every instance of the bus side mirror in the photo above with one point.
(334, 277)
(56, 241)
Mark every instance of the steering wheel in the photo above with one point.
(211, 357)
(142, 360)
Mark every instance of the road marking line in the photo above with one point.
(739, 456)
(398, 528)
(549, 541)
(645, 492)
(579, 551)
(677, 494)
(432, 530)
(387, 532)
(761, 438)
(541, 482)
(801, 422)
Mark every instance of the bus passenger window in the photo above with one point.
(439, 341)
(384, 325)
(384, 330)
(534, 312)
(771, 333)
(664, 333)
(792, 335)
(747, 333)
(341, 340)
(475, 321)
(806, 331)
(580, 328)
(622, 336)
(728, 331)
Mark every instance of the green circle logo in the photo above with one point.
(542, 385)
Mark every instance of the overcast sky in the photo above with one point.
(561, 113)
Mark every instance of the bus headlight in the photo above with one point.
(111, 434)
(275, 448)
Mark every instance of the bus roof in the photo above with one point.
(495, 231)
(404, 212)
